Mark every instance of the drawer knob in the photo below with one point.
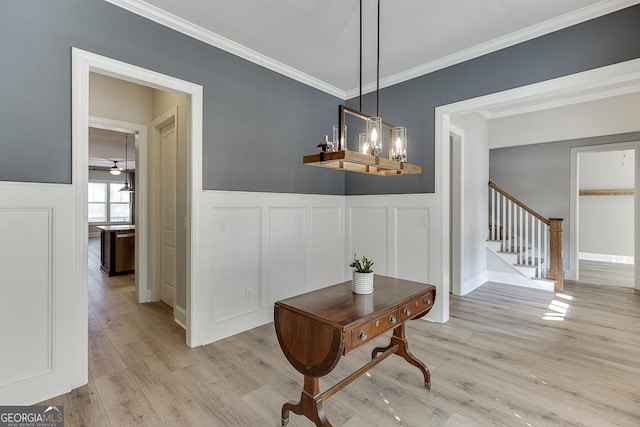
(392, 319)
(407, 312)
(363, 335)
(427, 300)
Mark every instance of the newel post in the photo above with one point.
(556, 270)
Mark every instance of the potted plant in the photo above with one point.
(362, 282)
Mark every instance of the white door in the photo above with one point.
(168, 155)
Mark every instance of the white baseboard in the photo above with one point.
(620, 259)
(180, 316)
(512, 279)
(474, 283)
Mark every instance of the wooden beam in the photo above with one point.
(612, 192)
(363, 163)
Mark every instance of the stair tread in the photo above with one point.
(544, 279)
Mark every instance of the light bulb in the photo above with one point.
(365, 148)
(398, 144)
(374, 135)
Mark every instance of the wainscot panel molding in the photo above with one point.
(395, 230)
(36, 291)
(258, 248)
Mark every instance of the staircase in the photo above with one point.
(530, 243)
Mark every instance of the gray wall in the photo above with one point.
(540, 175)
(607, 40)
(257, 123)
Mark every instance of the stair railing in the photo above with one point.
(535, 239)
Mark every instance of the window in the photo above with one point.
(97, 202)
(107, 204)
(119, 204)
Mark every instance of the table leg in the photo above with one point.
(310, 404)
(400, 339)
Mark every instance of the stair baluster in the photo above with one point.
(535, 240)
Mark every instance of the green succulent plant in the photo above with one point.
(362, 265)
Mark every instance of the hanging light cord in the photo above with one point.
(360, 55)
(378, 67)
(126, 177)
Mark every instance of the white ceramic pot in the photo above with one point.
(362, 283)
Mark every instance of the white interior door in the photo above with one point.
(168, 155)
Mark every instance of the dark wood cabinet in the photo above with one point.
(117, 249)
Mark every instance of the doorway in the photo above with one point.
(138, 148)
(603, 206)
(162, 200)
(83, 63)
(570, 87)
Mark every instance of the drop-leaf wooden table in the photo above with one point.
(317, 328)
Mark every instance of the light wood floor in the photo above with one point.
(606, 273)
(509, 356)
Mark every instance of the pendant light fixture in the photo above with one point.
(336, 155)
(115, 170)
(126, 188)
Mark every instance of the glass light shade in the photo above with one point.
(364, 146)
(126, 188)
(339, 145)
(374, 133)
(398, 148)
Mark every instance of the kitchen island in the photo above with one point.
(117, 249)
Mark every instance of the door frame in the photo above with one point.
(567, 85)
(140, 195)
(84, 62)
(574, 209)
(457, 245)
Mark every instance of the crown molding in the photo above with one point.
(587, 13)
(183, 26)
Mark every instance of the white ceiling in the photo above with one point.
(107, 146)
(316, 41)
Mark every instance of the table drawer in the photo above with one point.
(417, 306)
(377, 326)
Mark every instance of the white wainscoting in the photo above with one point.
(255, 248)
(258, 248)
(396, 231)
(36, 291)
